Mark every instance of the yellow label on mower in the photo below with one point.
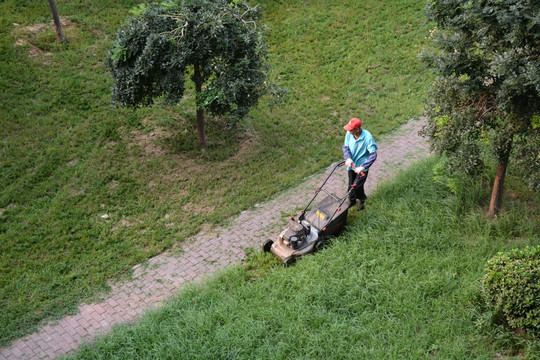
(321, 215)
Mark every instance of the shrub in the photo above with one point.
(512, 286)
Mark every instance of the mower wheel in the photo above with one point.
(267, 245)
(320, 245)
(289, 261)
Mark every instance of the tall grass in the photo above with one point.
(87, 191)
(403, 282)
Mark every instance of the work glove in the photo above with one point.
(349, 162)
(358, 170)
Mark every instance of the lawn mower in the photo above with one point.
(312, 228)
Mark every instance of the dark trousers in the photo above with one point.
(358, 192)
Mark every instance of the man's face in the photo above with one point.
(356, 132)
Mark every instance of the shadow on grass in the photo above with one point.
(224, 139)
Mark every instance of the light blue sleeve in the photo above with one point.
(372, 146)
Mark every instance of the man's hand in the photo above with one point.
(349, 162)
(358, 170)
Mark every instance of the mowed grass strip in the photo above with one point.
(88, 191)
(403, 282)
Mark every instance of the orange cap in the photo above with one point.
(354, 123)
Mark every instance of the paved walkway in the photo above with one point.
(204, 254)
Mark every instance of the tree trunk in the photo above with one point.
(498, 185)
(201, 132)
(57, 24)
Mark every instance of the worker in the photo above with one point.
(360, 152)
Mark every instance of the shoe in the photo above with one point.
(361, 205)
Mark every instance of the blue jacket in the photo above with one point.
(362, 150)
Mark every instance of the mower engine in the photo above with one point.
(296, 234)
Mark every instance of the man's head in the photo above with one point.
(354, 123)
(354, 127)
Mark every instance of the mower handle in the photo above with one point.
(362, 174)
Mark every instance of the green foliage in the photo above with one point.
(512, 286)
(452, 132)
(488, 87)
(440, 175)
(527, 159)
(217, 42)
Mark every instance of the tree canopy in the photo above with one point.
(216, 42)
(485, 100)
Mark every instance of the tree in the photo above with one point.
(485, 100)
(216, 42)
(56, 20)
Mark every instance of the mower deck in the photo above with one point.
(324, 220)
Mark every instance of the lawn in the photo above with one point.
(403, 282)
(88, 191)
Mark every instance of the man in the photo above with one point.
(360, 152)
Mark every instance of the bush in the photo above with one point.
(512, 286)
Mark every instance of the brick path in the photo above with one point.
(204, 254)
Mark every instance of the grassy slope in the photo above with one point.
(67, 158)
(403, 282)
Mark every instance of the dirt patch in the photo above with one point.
(149, 146)
(36, 28)
(72, 162)
(29, 36)
(35, 53)
(21, 42)
(245, 147)
(178, 168)
(196, 209)
(126, 223)
(77, 192)
(3, 210)
(149, 142)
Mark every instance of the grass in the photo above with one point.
(403, 282)
(67, 158)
